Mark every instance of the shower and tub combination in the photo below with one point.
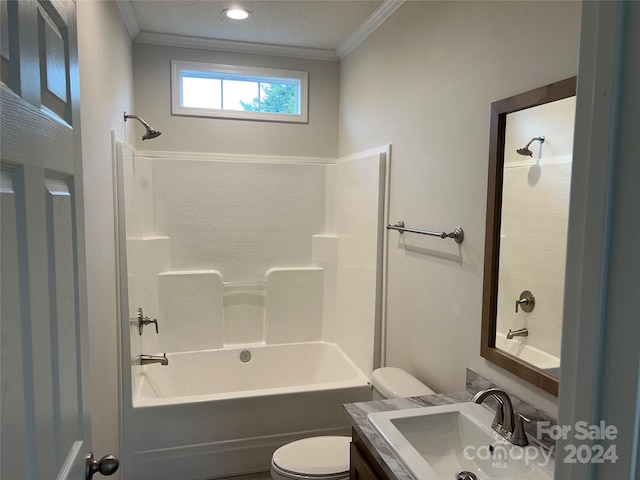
(260, 281)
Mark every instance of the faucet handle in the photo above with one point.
(519, 436)
(143, 321)
(526, 301)
(147, 321)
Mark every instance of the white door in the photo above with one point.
(45, 424)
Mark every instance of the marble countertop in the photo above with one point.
(357, 414)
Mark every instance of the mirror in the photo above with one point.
(530, 155)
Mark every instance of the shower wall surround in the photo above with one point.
(229, 251)
(242, 217)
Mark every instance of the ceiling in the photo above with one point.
(307, 24)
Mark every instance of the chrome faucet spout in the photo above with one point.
(506, 429)
(148, 359)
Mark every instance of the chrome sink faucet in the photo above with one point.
(504, 422)
(147, 359)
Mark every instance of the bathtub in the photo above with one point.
(209, 414)
(518, 347)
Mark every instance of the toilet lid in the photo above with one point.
(394, 382)
(314, 456)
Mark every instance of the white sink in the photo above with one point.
(435, 443)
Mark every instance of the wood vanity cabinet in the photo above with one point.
(363, 465)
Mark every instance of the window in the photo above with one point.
(210, 90)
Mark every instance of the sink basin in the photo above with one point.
(435, 443)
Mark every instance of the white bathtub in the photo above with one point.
(208, 414)
(518, 347)
(220, 374)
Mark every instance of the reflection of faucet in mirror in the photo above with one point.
(521, 332)
(525, 151)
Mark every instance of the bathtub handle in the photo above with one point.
(144, 321)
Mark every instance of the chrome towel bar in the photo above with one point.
(457, 234)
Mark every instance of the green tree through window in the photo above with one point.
(274, 98)
(240, 92)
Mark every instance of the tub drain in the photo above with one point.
(464, 475)
(245, 356)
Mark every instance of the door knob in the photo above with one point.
(107, 465)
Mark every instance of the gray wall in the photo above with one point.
(424, 82)
(318, 138)
(106, 88)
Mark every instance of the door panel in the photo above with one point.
(13, 405)
(53, 44)
(45, 428)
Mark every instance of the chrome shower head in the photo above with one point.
(525, 150)
(151, 133)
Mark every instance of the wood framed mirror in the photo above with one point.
(510, 291)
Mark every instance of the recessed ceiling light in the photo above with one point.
(236, 13)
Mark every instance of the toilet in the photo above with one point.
(327, 457)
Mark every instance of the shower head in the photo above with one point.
(525, 150)
(151, 133)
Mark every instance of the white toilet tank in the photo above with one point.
(392, 382)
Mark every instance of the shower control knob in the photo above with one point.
(107, 465)
(526, 302)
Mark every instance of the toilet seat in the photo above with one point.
(325, 458)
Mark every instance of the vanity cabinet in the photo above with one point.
(363, 465)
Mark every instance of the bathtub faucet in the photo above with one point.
(521, 332)
(147, 359)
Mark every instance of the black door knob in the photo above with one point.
(107, 465)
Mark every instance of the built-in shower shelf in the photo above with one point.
(230, 286)
(200, 311)
(191, 272)
(148, 238)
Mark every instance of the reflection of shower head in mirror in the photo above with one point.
(525, 150)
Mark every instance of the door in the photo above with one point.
(45, 429)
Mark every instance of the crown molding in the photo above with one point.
(366, 28)
(377, 17)
(129, 17)
(200, 43)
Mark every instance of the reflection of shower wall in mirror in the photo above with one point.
(553, 120)
(534, 222)
(532, 252)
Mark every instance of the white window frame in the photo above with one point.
(220, 70)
